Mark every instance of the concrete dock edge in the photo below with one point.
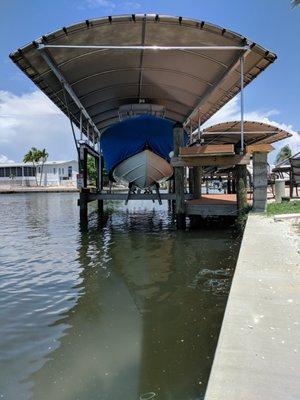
(258, 352)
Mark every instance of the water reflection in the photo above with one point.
(133, 307)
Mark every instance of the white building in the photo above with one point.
(55, 173)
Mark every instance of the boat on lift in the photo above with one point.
(137, 149)
(143, 170)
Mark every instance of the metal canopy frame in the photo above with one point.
(203, 45)
(41, 47)
(242, 102)
(71, 92)
(142, 47)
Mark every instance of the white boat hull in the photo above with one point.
(143, 170)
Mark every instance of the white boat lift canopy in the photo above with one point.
(191, 68)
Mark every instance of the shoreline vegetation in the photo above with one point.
(286, 207)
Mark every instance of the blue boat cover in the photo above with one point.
(133, 135)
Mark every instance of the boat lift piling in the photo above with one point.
(85, 193)
(179, 176)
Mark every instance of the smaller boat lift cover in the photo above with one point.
(254, 132)
(131, 136)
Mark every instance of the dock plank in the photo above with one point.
(207, 150)
(210, 160)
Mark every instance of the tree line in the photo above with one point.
(36, 156)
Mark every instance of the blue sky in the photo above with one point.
(274, 96)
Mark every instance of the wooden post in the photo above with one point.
(241, 186)
(169, 188)
(85, 170)
(178, 140)
(197, 181)
(229, 183)
(98, 172)
(206, 185)
(83, 203)
(191, 180)
(100, 167)
(173, 202)
(233, 188)
(83, 211)
(260, 181)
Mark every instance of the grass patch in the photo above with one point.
(286, 207)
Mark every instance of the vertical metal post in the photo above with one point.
(85, 170)
(178, 140)
(80, 125)
(199, 125)
(100, 179)
(191, 131)
(83, 196)
(242, 103)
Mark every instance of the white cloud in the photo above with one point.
(30, 120)
(132, 4)
(231, 112)
(5, 160)
(110, 5)
(101, 4)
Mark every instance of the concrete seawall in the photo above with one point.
(258, 353)
(47, 189)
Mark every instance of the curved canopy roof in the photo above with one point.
(254, 132)
(187, 80)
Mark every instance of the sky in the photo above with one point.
(28, 118)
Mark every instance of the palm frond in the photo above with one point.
(295, 3)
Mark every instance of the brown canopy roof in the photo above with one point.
(254, 132)
(183, 80)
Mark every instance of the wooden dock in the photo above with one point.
(213, 205)
(186, 197)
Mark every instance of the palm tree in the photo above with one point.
(32, 156)
(43, 155)
(91, 167)
(284, 153)
(295, 3)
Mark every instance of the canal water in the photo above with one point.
(130, 310)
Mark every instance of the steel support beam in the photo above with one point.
(242, 103)
(212, 88)
(199, 125)
(140, 47)
(67, 86)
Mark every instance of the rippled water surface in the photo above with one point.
(130, 310)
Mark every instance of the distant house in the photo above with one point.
(55, 173)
